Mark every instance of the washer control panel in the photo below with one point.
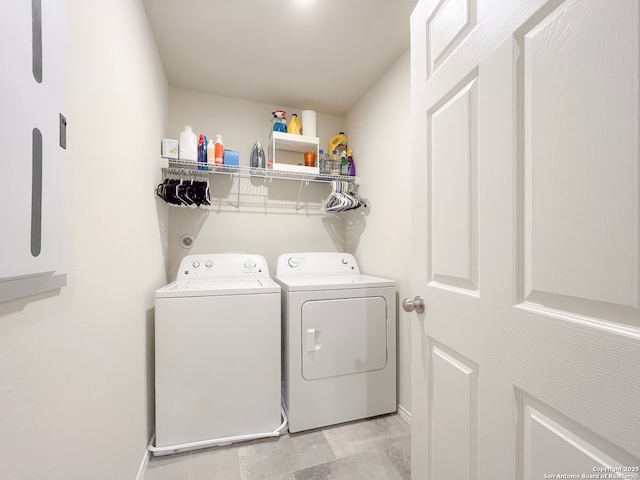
(317, 263)
(223, 265)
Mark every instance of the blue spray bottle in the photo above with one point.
(202, 152)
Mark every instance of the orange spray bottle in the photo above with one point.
(219, 150)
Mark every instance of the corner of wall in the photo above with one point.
(379, 135)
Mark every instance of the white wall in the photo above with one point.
(267, 222)
(75, 377)
(379, 135)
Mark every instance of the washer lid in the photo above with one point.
(202, 288)
(331, 282)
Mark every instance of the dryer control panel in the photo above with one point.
(223, 265)
(317, 263)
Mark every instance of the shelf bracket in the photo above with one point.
(299, 192)
(238, 185)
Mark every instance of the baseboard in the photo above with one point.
(405, 414)
(144, 464)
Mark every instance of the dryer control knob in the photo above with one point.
(294, 262)
(345, 261)
(250, 263)
(208, 264)
(195, 264)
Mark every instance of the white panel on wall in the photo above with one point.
(581, 254)
(33, 133)
(453, 185)
(453, 419)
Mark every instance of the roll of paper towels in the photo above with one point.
(309, 123)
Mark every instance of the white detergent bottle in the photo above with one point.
(188, 145)
(211, 151)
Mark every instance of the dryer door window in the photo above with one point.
(343, 336)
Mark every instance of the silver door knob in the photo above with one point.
(416, 304)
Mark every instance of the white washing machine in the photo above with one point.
(217, 349)
(339, 340)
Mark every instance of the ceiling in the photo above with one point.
(321, 55)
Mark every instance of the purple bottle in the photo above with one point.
(351, 167)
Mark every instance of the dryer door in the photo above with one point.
(343, 336)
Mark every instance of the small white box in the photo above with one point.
(169, 148)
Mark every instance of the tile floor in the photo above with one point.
(373, 449)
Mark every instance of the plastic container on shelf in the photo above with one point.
(294, 126)
(323, 163)
(344, 165)
(334, 163)
(310, 159)
(339, 143)
(188, 146)
(352, 166)
(202, 151)
(211, 151)
(219, 150)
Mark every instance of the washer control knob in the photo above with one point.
(250, 263)
(345, 261)
(195, 264)
(208, 264)
(294, 262)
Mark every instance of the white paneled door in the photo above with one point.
(526, 245)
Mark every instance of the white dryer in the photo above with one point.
(217, 349)
(339, 340)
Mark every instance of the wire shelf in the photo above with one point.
(190, 167)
